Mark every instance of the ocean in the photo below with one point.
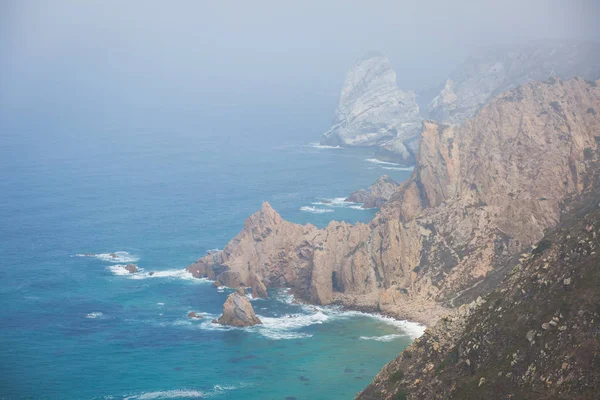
(159, 192)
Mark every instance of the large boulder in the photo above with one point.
(237, 311)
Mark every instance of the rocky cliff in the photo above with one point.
(536, 336)
(373, 111)
(480, 193)
(493, 70)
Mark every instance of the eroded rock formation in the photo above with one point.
(480, 192)
(373, 111)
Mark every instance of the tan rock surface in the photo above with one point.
(237, 311)
(479, 193)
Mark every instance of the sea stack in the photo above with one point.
(372, 110)
(237, 311)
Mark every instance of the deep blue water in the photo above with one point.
(165, 192)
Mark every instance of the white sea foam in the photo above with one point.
(408, 328)
(183, 393)
(384, 338)
(338, 202)
(182, 274)
(360, 208)
(399, 168)
(315, 210)
(94, 315)
(118, 269)
(316, 145)
(116, 257)
(379, 162)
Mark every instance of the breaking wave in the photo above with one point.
(182, 274)
(336, 202)
(315, 210)
(407, 328)
(316, 145)
(183, 393)
(390, 166)
(116, 257)
(94, 315)
(379, 162)
(399, 168)
(384, 338)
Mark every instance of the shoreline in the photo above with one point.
(407, 318)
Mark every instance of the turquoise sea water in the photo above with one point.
(162, 194)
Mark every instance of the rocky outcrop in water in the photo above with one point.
(495, 69)
(131, 268)
(237, 311)
(480, 192)
(534, 337)
(377, 194)
(373, 111)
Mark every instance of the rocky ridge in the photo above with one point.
(480, 192)
(373, 111)
(492, 70)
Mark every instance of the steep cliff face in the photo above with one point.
(480, 193)
(372, 110)
(493, 70)
(534, 337)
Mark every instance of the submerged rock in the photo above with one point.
(131, 268)
(237, 311)
(192, 314)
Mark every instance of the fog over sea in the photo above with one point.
(159, 190)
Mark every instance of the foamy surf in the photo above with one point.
(175, 274)
(183, 393)
(399, 168)
(94, 315)
(116, 257)
(407, 328)
(384, 338)
(379, 162)
(323, 146)
(336, 202)
(271, 328)
(315, 210)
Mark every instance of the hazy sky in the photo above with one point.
(210, 52)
